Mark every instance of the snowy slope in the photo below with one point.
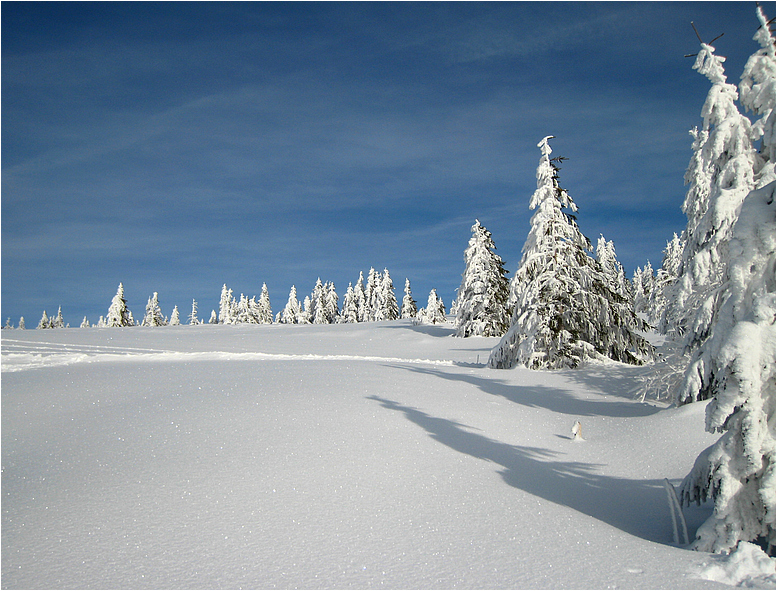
(343, 456)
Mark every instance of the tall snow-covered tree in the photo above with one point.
(409, 308)
(175, 317)
(664, 282)
(264, 308)
(481, 303)
(434, 313)
(613, 270)
(291, 311)
(153, 316)
(227, 306)
(361, 299)
(58, 321)
(643, 287)
(565, 310)
(193, 316)
(735, 366)
(45, 322)
(331, 303)
(350, 313)
(372, 294)
(387, 301)
(719, 176)
(118, 313)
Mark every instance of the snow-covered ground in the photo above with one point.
(339, 456)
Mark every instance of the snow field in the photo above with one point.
(138, 458)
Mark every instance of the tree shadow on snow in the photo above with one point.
(536, 396)
(433, 330)
(633, 506)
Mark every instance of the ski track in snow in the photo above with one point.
(23, 355)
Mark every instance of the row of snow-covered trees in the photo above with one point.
(713, 297)
(366, 301)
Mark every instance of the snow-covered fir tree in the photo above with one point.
(409, 308)
(291, 311)
(482, 298)
(213, 317)
(387, 301)
(664, 282)
(193, 315)
(264, 309)
(44, 321)
(153, 315)
(227, 306)
(565, 310)
(434, 313)
(735, 366)
(331, 303)
(118, 313)
(84, 323)
(8, 324)
(21, 323)
(58, 321)
(175, 318)
(350, 313)
(720, 175)
(642, 285)
(361, 299)
(372, 294)
(613, 270)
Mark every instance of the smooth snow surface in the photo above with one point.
(337, 456)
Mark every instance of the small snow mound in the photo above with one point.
(748, 567)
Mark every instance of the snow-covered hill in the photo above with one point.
(339, 456)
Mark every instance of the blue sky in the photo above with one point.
(176, 147)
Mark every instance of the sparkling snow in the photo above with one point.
(338, 456)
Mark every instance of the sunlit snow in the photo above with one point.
(340, 456)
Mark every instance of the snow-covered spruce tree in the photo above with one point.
(264, 309)
(482, 298)
(290, 312)
(153, 315)
(193, 316)
(388, 308)
(8, 324)
(643, 287)
(565, 310)
(350, 313)
(21, 323)
(227, 306)
(735, 367)
(58, 321)
(118, 313)
(613, 270)
(409, 308)
(175, 317)
(372, 294)
(719, 176)
(213, 318)
(84, 323)
(44, 321)
(434, 313)
(331, 303)
(664, 282)
(361, 298)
